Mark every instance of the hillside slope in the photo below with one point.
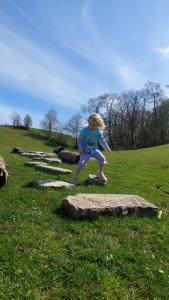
(46, 256)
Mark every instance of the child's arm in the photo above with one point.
(79, 141)
(103, 143)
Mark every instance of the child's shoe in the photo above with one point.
(73, 179)
(102, 176)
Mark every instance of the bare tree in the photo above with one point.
(50, 121)
(130, 108)
(110, 102)
(163, 122)
(27, 121)
(73, 125)
(156, 96)
(16, 119)
(94, 105)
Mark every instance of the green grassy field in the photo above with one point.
(46, 256)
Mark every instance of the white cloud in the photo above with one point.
(164, 52)
(27, 67)
(93, 47)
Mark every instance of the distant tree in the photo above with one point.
(94, 105)
(27, 121)
(73, 125)
(110, 102)
(130, 109)
(50, 121)
(163, 122)
(16, 119)
(156, 96)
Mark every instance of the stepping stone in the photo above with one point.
(54, 183)
(38, 154)
(53, 170)
(52, 160)
(30, 154)
(48, 160)
(50, 155)
(91, 205)
(93, 179)
(35, 163)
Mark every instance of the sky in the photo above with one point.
(59, 53)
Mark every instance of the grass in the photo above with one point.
(45, 256)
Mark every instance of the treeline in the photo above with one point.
(134, 119)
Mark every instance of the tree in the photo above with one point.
(110, 101)
(27, 121)
(16, 119)
(156, 96)
(50, 121)
(163, 122)
(94, 105)
(73, 125)
(130, 108)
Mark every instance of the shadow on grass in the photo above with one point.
(55, 141)
(42, 138)
(66, 216)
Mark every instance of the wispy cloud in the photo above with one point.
(32, 69)
(93, 47)
(22, 12)
(164, 52)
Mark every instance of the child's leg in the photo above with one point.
(82, 162)
(102, 161)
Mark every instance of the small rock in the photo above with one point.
(17, 150)
(93, 179)
(59, 149)
(159, 215)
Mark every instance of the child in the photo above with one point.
(88, 146)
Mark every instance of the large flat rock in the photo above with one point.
(53, 170)
(90, 205)
(54, 183)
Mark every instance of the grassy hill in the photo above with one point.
(45, 256)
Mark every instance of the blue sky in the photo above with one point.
(58, 53)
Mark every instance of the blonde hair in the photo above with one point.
(98, 119)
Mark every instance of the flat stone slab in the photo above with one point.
(32, 155)
(91, 205)
(35, 163)
(48, 160)
(38, 154)
(54, 183)
(53, 170)
(52, 160)
(93, 179)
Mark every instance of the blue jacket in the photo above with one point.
(88, 140)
